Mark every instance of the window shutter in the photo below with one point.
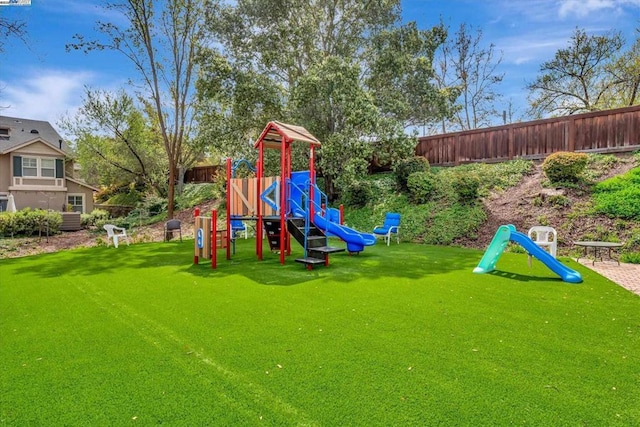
(17, 166)
(59, 168)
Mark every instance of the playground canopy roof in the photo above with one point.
(275, 132)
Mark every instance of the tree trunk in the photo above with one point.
(172, 191)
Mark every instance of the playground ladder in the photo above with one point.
(314, 241)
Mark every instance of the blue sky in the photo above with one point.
(44, 82)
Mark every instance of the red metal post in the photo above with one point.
(283, 191)
(259, 172)
(341, 214)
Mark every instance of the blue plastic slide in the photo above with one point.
(508, 233)
(355, 240)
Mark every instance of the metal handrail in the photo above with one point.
(307, 225)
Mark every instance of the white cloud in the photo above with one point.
(583, 8)
(44, 94)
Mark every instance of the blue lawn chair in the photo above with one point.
(238, 227)
(391, 226)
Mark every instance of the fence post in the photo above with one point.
(571, 142)
(510, 142)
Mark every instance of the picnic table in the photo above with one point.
(598, 248)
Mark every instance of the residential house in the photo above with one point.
(36, 169)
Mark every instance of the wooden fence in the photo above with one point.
(200, 174)
(610, 131)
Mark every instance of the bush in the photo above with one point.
(153, 204)
(630, 257)
(422, 186)
(28, 222)
(92, 219)
(564, 166)
(406, 167)
(466, 185)
(196, 194)
(619, 197)
(357, 194)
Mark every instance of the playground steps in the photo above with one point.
(272, 229)
(316, 243)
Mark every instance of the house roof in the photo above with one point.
(275, 132)
(83, 184)
(25, 131)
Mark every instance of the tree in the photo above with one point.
(160, 39)
(114, 144)
(625, 73)
(233, 105)
(402, 76)
(12, 28)
(318, 59)
(471, 69)
(576, 80)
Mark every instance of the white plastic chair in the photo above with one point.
(114, 233)
(545, 237)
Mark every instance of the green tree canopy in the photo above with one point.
(114, 143)
(578, 78)
(346, 70)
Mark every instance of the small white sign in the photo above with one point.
(15, 2)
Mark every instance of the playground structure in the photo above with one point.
(285, 206)
(507, 233)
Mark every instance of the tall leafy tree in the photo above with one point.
(114, 143)
(320, 61)
(160, 38)
(402, 76)
(576, 79)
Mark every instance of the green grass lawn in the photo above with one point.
(399, 335)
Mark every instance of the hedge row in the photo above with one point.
(28, 222)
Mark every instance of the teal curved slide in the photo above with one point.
(508, 233)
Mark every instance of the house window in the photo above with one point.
(4, 133)
(48, 168)
(29, 166)
(76, 202)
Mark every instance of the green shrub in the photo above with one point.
(422, 186)
(357, 194)
(630, 257)
(559, 201)
(466, 186)
(619, 197)
(196, 194)
(406, 167)
(125, 199)
(91, 219)
(564, 166)
(28, 222)
(153, 204)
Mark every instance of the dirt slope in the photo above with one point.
(529, 204)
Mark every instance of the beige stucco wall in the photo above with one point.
(5, 172)
(38, 148)
(55, 200)
(73, 188)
